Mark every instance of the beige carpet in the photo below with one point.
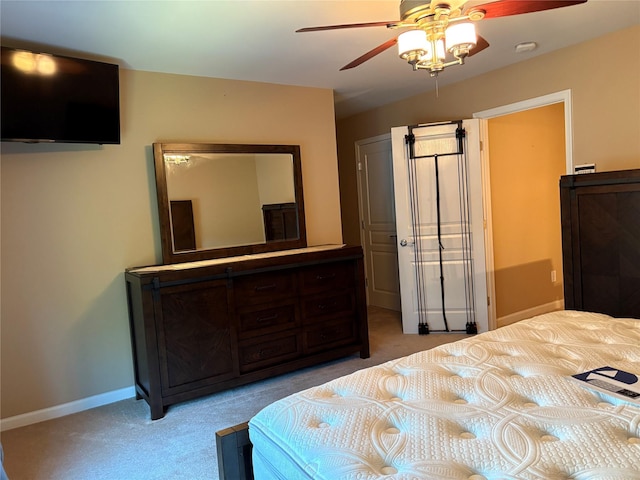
(120, 442)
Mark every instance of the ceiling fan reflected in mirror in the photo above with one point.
(441, 33)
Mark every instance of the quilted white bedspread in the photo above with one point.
(494, 406)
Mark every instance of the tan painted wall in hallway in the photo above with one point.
(527, 158)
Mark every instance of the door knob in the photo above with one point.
(403, 243)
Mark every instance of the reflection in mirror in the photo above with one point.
(222, 200)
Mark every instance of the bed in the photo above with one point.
(499, 405)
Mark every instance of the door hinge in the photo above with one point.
(481, 146)
(362, 223)
(488, 301)
(359, 166)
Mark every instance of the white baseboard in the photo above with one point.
(66, 408)
(530, 312)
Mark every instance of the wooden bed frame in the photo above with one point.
(615, 189)
(234, 453)
(592, 204)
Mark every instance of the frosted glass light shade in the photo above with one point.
(461, 35)
(412, 42)
(440, 52)
(429, 58)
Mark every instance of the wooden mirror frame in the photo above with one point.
(169, 256)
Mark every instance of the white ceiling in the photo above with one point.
(256, 40)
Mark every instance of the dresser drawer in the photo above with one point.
(259, 353)
(265, 287)
(328, 276)
(334, 333)
(318, 308)
(261, 321)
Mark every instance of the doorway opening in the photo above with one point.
(386, 196)
(526, 147)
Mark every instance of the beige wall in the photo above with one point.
(527, 158)
(211, 184)
(275, 179)
(606, 107)
(75, 216)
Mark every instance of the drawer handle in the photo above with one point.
(268, 352)
(325, 277)
(267, 318)
(328, 334)
(322, 306)
(261, 288)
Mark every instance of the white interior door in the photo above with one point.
(440, 226)
(378, 229)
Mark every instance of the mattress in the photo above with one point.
(498, 405)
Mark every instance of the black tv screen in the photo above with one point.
(53, 98)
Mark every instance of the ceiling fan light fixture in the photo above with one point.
(433, 59)
(460, 38)
(412, 45)
(431, 23)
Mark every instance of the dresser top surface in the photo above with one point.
(233, 260)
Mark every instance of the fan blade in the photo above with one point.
(480, 45)
(505, 8)
(371, 53)
(348, 25)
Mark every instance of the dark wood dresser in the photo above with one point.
(202, 327)
(601, 242)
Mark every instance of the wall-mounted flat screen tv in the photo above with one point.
(53, 98)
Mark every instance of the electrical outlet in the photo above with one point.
(553, 276)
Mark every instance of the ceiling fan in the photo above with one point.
(441, 33)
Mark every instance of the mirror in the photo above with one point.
(223, 200)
